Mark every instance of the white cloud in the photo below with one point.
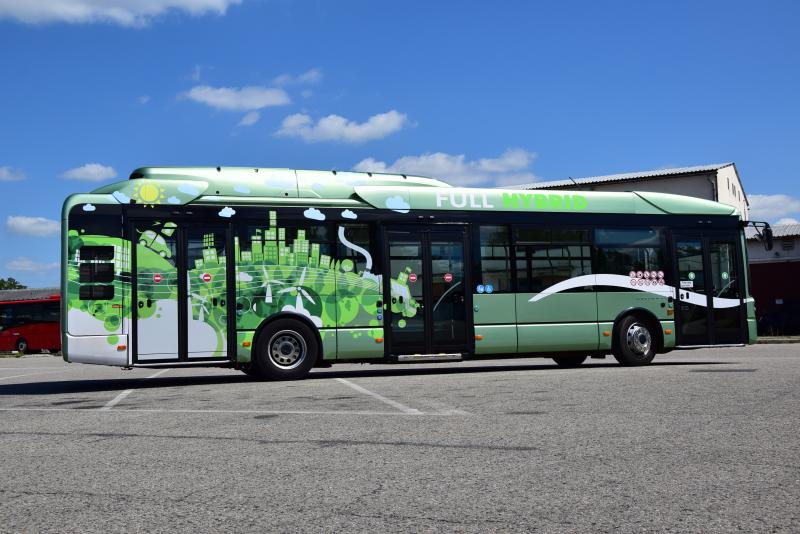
(771, 207)
(24, 264)
(91, 172)
(349, 214)
(144, 99)
(7, 174)
(511, 167)
(309, 77)
(34, 226)
(314, 213)
(227, 212)
(134, 13)
(336, 128)
(787, 220)
(398, 204)
(249, 98)
(250, 119)
(306, 93)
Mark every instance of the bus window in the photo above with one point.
(622, 250)
(96, 253)
(495, 265)
(96, 272)
(96, 292)
(548, 256)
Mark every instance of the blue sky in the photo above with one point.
(477, 93)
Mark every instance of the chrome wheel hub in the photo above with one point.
(638, 339)
(287, 349)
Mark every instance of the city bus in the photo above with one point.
(276, 271)
(29, 320)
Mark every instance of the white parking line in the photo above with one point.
(113, 402)
(32, 374)
(199, 411)
(11, 368)
(402, 407)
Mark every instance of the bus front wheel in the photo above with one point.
(286, 349)
(569, 360)
(634, 341)
(22, 346)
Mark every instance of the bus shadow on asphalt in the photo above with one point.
(61, 387)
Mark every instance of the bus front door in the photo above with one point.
(181, 297)
(710, 309)
(427, 291)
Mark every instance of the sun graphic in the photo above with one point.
(149, 194)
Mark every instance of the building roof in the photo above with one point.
(28, 294)
(657, 173)
(779, 230)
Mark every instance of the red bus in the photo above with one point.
(30, 320)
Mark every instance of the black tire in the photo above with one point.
(286, 349)
(22, 346)
(570, 360)
(634, 341)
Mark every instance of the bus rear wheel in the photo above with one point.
(634, 342)
(22, 346)
(569, 360)
(286, 349)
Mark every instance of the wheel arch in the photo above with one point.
(287, 315)
(646, 316)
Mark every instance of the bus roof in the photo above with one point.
(398, 192)
(18, 296)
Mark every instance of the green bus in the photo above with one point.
(277, 271)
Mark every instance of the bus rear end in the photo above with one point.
(95, 281)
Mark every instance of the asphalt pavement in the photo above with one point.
(700, 441)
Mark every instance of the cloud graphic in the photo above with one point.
(89, 207)
(302, 311)
(398, 204)
(188, 189)
(173, 200)
(121, 197)
(245, 277)
(241, 189)
(227, 211)
(314, 213)
(348, 214)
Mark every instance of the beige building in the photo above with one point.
(719, 182)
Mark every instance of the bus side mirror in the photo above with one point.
(767, 233)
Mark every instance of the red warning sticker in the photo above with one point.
(206, 277)
(412, 277)
(157, 278)
(448, 277)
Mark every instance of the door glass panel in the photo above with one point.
(447, 291)
(727, 299)
(206, 294)
(693, 302)
(407, 291)
(156, 291)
